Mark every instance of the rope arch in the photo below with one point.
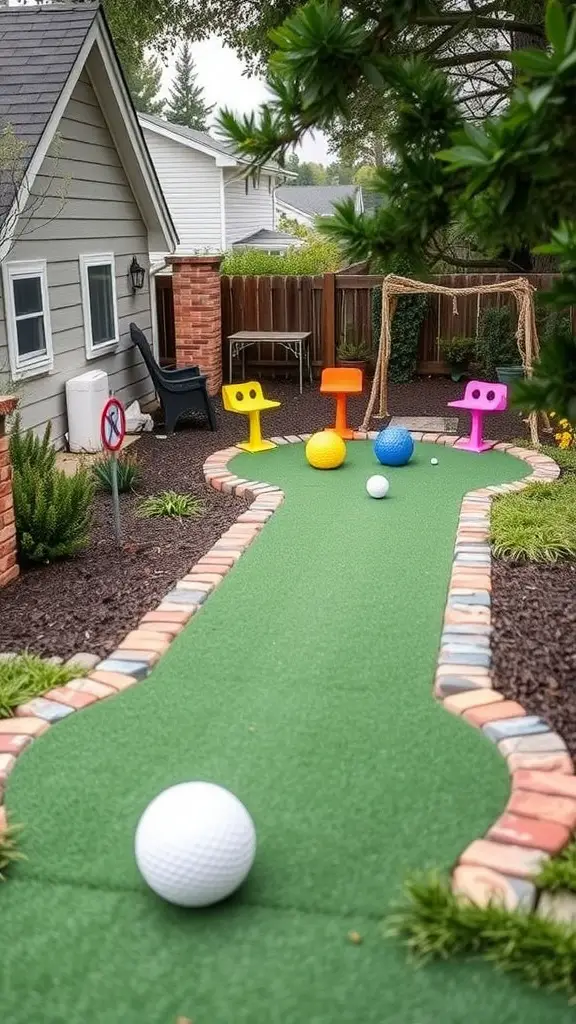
(393, 286)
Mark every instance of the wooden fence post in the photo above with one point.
(328, 320)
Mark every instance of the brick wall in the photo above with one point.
(197, 315)
(8, 565)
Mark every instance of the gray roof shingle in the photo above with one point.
(38, 49)
(202, 138)
(315, 200)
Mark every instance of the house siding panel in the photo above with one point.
(99, 217)
(191, 183)
(249, 206)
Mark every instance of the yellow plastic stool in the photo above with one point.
(248, 399)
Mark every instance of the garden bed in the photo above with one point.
(92, 601)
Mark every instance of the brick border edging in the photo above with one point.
(541, 812)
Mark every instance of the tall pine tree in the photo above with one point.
(144, 81)
(186, 105)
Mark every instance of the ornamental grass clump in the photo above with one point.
(9, 852)
(559, 872)
(435, 925)
(537, 524)
(25, 676)
(170, 504)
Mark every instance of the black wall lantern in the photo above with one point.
(137, 275)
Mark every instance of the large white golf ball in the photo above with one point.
(377, 486)
(195, 844)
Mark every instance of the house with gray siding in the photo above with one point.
(79, 202)
(214, 205)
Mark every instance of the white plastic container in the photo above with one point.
(86, 396)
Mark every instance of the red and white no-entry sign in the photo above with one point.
(113, 424)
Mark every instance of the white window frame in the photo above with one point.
(97, 260)
(22, 366)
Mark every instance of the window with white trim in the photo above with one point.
(27, 318)
(98, 285)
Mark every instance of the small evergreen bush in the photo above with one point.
(52, 511)
(496, 340)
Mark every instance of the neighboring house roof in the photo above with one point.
(43, 50)
(315, 200)
(222, 152)
(265, 238)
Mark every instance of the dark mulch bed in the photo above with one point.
(535, 641)
(90, 602)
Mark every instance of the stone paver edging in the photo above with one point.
(541, 813)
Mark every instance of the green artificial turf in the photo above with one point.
(305, 687)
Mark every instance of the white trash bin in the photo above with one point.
(86, 396)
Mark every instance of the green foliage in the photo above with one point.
(406, 326)
(553, 385)
(315, 257)
(496, 341)
(458, 351)
(186, 104)
(537, 524)
(144, 78)
(52, 511)
(171, 504)
(435, 925)
(9, 852)
(560, 871)
(565, 457)
(25, 676)
(352, 347)
(29, 451)
(128, 471)
(509, 181)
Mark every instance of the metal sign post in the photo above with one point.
(113, 432)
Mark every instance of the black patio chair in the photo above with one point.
(179, 391)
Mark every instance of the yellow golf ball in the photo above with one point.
(325, 450)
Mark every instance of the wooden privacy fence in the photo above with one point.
(335, 306)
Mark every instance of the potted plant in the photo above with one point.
(458, 353)
(497, 348)
(353, 352)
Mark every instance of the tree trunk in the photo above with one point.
(534, 263)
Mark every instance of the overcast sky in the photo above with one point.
(220, 75)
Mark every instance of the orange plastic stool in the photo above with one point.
(341, 381)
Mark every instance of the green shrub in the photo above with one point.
(458, 351)
(496, 340)
(52, 511)
(406, 326)
(9, 852)
(28, 451)
(559, 872)
(556, 323)
(128, 472)
(26, 676)
(315, 257)
(353, 347)
(537, 524)
(435, 925)
(169, 503)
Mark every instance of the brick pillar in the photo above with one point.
(197, 315)
(9, 568)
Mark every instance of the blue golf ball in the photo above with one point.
(394, 446)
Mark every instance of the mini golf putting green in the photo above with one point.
(305, 687)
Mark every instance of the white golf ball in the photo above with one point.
(195, 844)
(377, 486)
(433, 462)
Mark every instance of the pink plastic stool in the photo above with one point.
(480, 397)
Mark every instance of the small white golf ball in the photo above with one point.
(377, 486)
(195, 844)
(433, 462)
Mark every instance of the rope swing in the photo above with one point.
(393, 286)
